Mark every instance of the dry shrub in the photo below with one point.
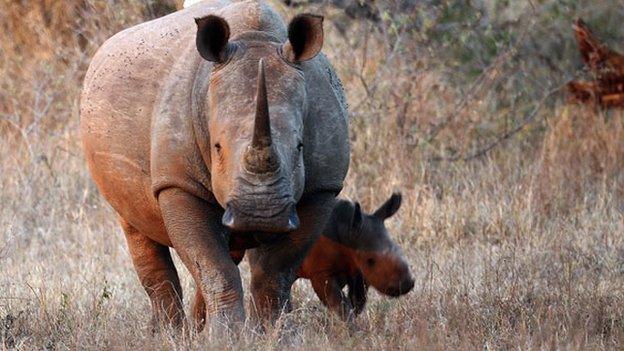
(47, 45)
(45, 25)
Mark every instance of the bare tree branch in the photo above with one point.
(530, 117)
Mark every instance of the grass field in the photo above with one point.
(512, 217)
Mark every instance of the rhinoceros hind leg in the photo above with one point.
(158, 276)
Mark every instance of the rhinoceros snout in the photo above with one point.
(240, 221)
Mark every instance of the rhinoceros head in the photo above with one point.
(256, 105)
(376, 255)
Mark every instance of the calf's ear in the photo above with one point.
(356, 222)
(305, 38)
(347, 216)
(390, 207)
(213, 33)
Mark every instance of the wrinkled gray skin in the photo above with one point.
(217, 119)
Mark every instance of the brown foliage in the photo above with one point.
(607, 66)
(48, 45)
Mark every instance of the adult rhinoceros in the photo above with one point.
(217, 126)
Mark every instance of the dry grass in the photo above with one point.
(518, 248)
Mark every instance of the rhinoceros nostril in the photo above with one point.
(228, 217)
(293, 219)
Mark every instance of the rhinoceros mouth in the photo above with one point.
(261, 203)
(279, 219)
(399, 289)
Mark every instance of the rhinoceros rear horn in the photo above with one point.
(305, 38)
(213, 33)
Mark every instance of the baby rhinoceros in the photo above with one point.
(356, 250)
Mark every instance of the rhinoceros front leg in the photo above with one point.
(358, 291)
(329, 291)
(158, 276)
(199, 305)
(195, 230)
(198, 310)
(274, 266)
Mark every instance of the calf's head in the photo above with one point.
(255, 108)
(375, 254)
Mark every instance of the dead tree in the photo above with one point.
(607, 67)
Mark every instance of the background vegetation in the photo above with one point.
(513, 215)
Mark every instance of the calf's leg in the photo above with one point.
(330, 293)
(158, 276)
(358, 291)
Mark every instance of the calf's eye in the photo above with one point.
(370, 262)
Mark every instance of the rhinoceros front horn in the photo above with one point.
(260, 156)
(262, 125)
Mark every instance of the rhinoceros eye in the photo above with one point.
(300, 146)
(219, 151)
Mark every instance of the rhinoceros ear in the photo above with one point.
(356, 223)
(347, 218)
(213, 33)
(305, 38)
(390, 207)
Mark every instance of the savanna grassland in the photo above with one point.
(512, 218)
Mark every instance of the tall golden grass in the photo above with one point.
(512, 220)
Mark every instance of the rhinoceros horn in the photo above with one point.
(262, 126)
(261, 156)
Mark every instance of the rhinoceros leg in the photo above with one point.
(199, 305)
(158, 276)
(274, 266)
(329, 291)
(358, 291)
(195, 230)
(198, 310)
